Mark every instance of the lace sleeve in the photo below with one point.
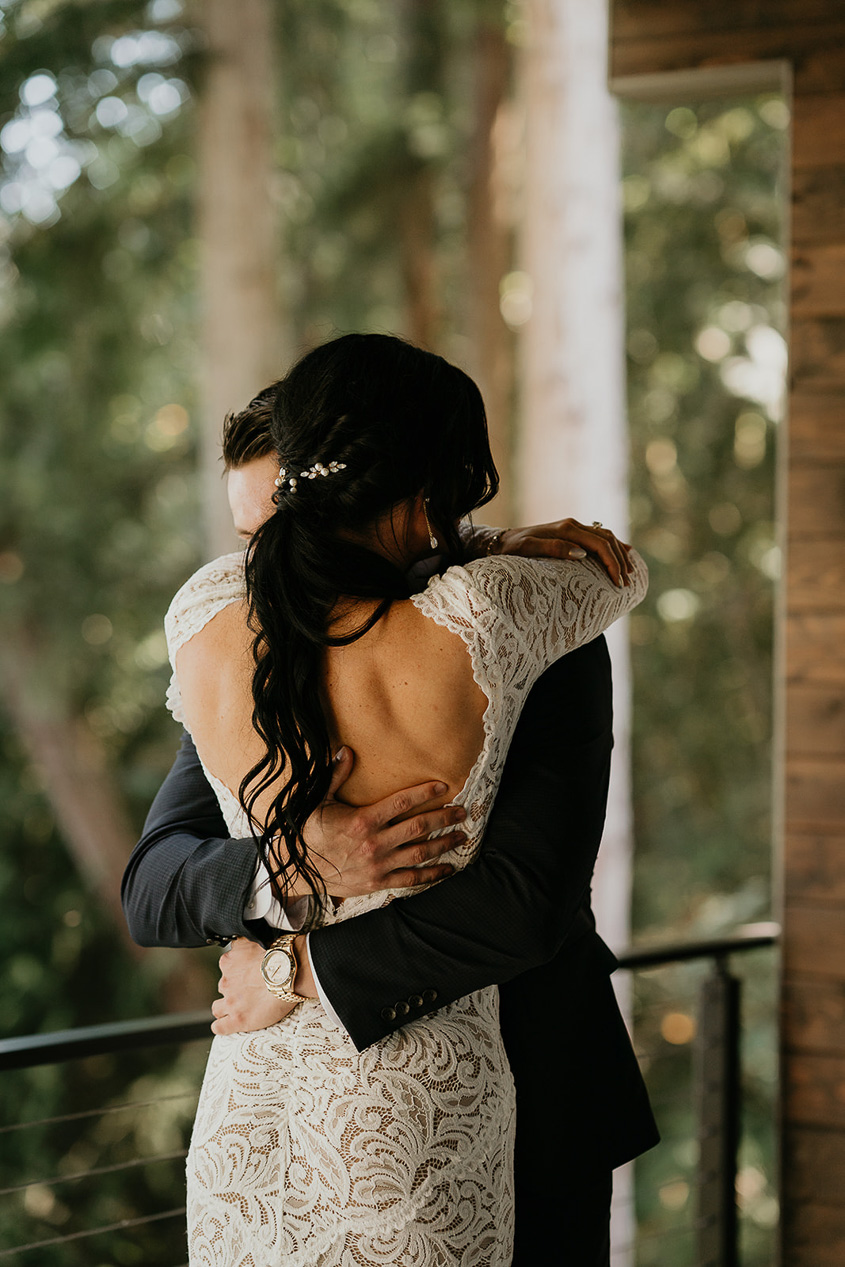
(207, 592)
(527, 613)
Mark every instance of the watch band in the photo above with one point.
(279, 977)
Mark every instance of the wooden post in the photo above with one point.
(572, 450)
(687, 49)
(571, 437)
(489, 253)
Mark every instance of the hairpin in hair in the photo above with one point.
(311, 474)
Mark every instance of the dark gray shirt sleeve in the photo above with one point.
(187, 882)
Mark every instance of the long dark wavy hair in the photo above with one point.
(404, 422)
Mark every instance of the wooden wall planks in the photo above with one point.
(819, 1173)
(818, 205)
(819, 69)
(818, 64)
(814, 1015)
(815, 426)
(653, 20)
(693, 39)
(815, 581)
(815, 798)
(817, 502)
(813, 650)
(816, 1232)
(816, 722)
(816, 947)
(818, 130)
(817, 355)
(816, 1088)
(818, 280)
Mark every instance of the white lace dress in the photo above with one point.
(307, 1152)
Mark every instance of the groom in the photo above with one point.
(519, 916)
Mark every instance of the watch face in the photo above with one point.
(278, 967)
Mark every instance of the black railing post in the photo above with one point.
(718, 1096)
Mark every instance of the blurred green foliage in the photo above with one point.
(706, 363)
(704, 201)
(97, 529)
(98, 514)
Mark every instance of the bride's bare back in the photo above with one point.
(403, 697)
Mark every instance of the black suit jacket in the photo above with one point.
(519, 917)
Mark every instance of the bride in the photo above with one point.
(305, 1151)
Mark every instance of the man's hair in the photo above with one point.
(246, 434)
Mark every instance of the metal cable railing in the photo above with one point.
(121, 1225)
(89, 1113)
(712, 1115)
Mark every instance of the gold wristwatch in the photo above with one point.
(279, 967)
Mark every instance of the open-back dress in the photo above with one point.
(309, 1153)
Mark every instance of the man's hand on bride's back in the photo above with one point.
(382, 846)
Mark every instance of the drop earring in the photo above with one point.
(432, 540)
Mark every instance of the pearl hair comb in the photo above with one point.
(311, 474)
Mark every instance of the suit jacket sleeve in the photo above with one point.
(525, 895)
(187, 883)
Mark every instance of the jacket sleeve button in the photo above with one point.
(402, 1008)
(429, 996)
(388, 1014)
(416, 1000)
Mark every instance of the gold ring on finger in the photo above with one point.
(597, 523)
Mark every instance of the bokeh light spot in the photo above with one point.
(97, 630)
(678, 1028)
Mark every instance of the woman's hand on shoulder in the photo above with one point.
(566, 539)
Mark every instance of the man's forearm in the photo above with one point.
(187, 883)
(496, 919)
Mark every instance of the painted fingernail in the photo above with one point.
(577, 553)
(340, 753)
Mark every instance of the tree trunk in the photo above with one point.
(242, 350)
(425, 52)
(489, 251)
(87, 804)
(88, 808)
(573, 450)
(416, 236)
